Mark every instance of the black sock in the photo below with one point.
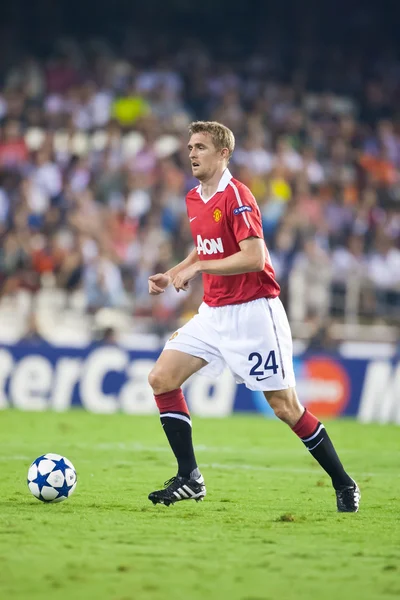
(320, 446)
(178, 430)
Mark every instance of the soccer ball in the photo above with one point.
(51, 478)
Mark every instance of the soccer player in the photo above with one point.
(240, 324)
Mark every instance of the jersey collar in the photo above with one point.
(223, 184)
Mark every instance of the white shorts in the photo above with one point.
(252, 339)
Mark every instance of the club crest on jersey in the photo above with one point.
(217, 215)
(209, 246)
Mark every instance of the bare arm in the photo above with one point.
(160, 281)
(189, 260)
(250, 258)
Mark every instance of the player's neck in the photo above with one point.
(209, 187)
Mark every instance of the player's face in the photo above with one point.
(204, 157)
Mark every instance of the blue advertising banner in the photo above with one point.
(109, 378)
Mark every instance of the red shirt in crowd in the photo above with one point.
(13, 153)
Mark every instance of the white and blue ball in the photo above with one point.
(52, 478)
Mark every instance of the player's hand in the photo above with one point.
(158, 283)
(181, 279)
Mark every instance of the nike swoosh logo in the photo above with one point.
(192, 219)
(262, 378)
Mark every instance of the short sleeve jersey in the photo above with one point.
(218, 225)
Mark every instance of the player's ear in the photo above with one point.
(225, 153)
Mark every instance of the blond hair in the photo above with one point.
(221, 136)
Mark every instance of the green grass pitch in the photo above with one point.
(267, 530)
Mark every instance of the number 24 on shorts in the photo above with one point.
(269, 365)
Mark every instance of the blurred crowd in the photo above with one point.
(94, 172)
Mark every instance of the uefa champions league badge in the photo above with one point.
(241, 209)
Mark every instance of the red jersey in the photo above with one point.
(218, 225)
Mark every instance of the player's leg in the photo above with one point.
(169, 373)
(265, 364)
(171, 370)
(190, 349)
(314, 436)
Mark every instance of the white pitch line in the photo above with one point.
(265, 452)
(138, 447)
(15, 457)
(218, 466)
(244, 467)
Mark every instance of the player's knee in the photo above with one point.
(283, 412)
(285, 405)
(155, 380)
(161, 381)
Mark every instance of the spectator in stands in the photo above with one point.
(94, 170)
